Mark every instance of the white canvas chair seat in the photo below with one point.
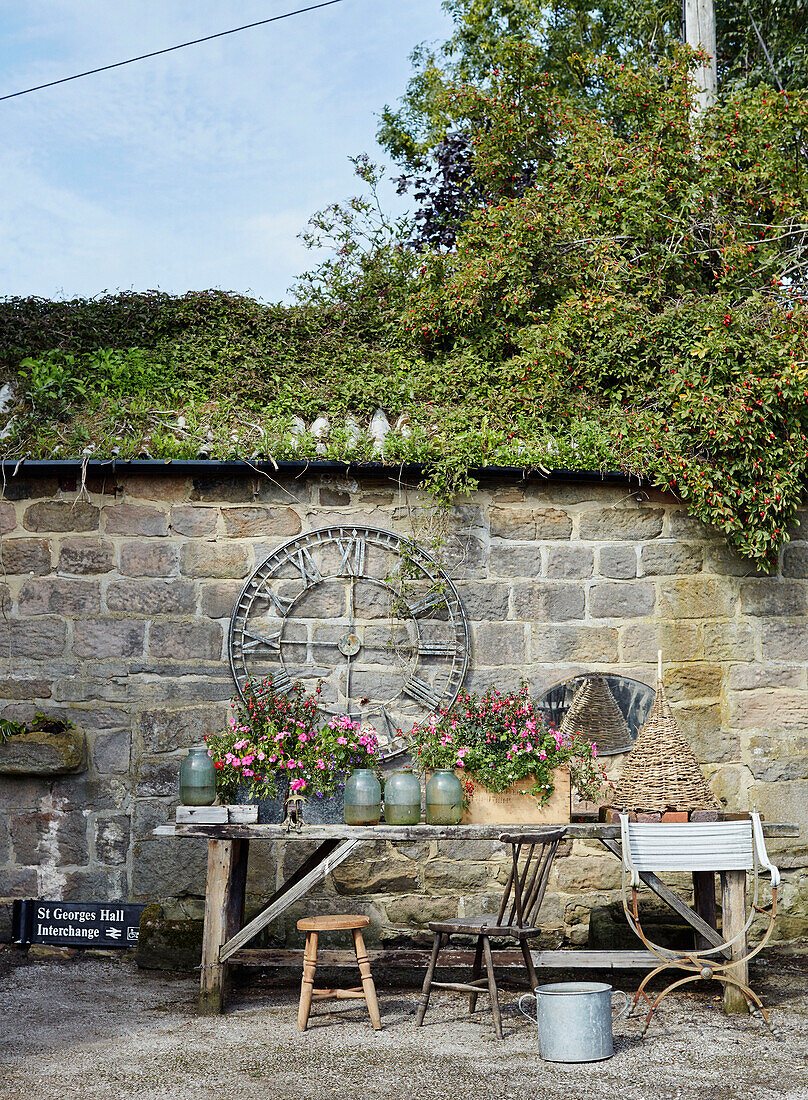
(696, 846)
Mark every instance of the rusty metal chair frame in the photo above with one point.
(697, 846)
(518, 910)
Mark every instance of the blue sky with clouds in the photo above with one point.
(196, 169)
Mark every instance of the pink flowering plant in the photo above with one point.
(499, 739)
(272, 735)
(266, 736)
(338, 746)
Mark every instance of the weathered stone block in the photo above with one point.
(18, 882)
(769, 709)
(453, 876)
(721, 559)
(775, 758)
(5, 601)
(112, 752)
(661, 559)
(372, 876)
(548, 602)
(156, 597)
(728, 641)
(569, 562)
(60, 595)
(186, 641)
(410, 911)
(108, 638)
(619, 562)
(36, 752)
(334, 498)
(158, 778)
(219, 598)
(61, 515)
(678, 641)
(50, 832)
(774, 597)
(743, 677)
(19, 556)
(696, 598)
(20, 688)
(112, 839)
(512, 559)
(498, 643)
(86, 556)
(167, 730)
(485, 600)
(89, 884)
(681, 525)
(522, 522)
(243, 523)
(626, 600)
(8, 517)
(33, 637)
(703, 727)
(214, 559)
(164, 944)
(627, 523)
(795, 560)
(694, 680)
(781, 801)
(240, 488)
(194, 522)
(149, 559)
(573, 643)
(167, 868)
(135, 519)
(586, 872)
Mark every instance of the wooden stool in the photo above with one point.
(312, 926)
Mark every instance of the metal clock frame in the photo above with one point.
(351, 541)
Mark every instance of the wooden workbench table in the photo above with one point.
(226, 936)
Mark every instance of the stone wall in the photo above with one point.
(115, 607)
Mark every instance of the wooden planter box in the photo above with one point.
(510, 807)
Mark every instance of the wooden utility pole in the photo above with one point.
(699, 27)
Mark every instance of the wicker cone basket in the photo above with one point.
(661, 772)
(594, 713)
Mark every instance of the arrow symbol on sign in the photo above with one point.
(113, 933)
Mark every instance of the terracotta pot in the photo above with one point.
(510, 807)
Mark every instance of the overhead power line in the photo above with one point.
(170, 49)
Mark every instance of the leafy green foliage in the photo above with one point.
(628, 293)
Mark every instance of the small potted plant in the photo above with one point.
(260, 756)
(276, 747)
(514, 768)
(338, 747)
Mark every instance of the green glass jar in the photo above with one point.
(363, 798)
(402, 798)
(197, 779)
(444, 798)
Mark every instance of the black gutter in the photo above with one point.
(12, 467)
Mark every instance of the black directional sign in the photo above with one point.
(76, 924)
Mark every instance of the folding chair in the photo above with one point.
(697, 846)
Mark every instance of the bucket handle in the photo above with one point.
(533, 996)
(625, 1009)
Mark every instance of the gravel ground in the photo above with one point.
(98, 1028)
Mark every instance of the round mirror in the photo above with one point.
(609, 710)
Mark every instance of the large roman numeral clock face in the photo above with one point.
(365, 612)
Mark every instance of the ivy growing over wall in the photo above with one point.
(626, 291)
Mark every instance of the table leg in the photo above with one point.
(733, 907)
(224, 915)
(704, 904)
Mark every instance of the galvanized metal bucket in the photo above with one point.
(575, 1020)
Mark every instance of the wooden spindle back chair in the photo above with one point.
(532, 857)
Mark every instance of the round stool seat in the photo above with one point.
(332, 922)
